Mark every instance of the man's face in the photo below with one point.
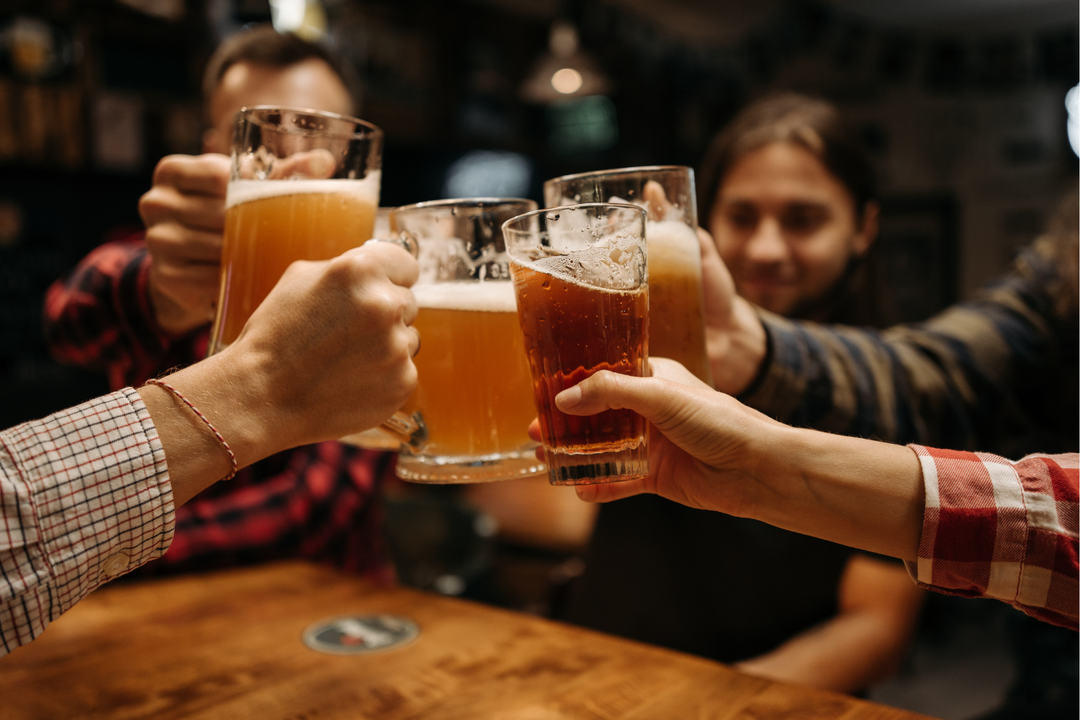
(786, 227)
(308, 84)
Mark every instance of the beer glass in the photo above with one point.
(304, 185)
(474, 395)
(676, 301)
(581, 280)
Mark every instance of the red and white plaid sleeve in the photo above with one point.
(1001, 529)
(84, 497)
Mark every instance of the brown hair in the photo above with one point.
(263, 45)
(859, 297)
(813, 124)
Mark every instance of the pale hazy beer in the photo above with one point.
(676, 302)
(581, 281)
(303, 185)
(271, 224)
(474, 393)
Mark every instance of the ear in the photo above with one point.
(868, 229)
(211, 142)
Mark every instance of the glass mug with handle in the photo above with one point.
(582, 286)
(303, 185)
(474, 395)
(676, 298)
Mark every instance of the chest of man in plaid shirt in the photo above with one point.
(117, 313)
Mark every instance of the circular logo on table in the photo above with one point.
(360, 634)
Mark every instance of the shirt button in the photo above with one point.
(117, 564)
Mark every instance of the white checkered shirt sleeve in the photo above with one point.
(1001, 529)
(84, 497)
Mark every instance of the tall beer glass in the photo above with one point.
(304, 185)
(676, 303)
(474, 394)
(581, 280)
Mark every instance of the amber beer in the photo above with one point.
(474, 390)
(572, 332)
(271, 224)
(580, 278)
(676, 302)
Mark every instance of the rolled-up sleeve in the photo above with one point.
(84, 497)
(1001, 529)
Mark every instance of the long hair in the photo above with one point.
(816, 125)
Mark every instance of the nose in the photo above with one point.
(766, 245)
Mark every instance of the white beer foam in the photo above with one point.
(492, 296)
(593, 268)
(243, 191)
(672, 241)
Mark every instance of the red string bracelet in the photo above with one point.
(174, 391)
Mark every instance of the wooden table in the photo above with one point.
(228, 646)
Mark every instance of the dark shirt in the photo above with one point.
(703, 582)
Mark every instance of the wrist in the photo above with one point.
(737, 351)
(232, 392)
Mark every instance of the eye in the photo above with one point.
(804, 219)
(741, 217)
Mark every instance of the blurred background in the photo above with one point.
(964, 105)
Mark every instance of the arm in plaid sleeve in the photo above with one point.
(992, 372)
(1000, 529)
(84, 497)
(975, 525)
(100, 318)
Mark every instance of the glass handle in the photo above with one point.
(408, 429)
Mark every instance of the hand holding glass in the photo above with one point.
(304, 185)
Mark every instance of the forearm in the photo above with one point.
(845, 654)
(238, 410)
(860, 493)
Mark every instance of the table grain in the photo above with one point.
(228, 645)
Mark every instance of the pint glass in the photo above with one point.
(473, 394)
(581, 280)
(676, 303)
(304, 185)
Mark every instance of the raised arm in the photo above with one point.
(984, 373)
(327, 354)
(967, 523)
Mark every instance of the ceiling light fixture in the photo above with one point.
(564, 70)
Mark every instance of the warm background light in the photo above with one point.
(567, 81)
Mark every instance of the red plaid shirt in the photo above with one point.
(318, 501)
(1000, 529)
(84, 497)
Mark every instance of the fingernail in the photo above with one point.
(568, 398)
